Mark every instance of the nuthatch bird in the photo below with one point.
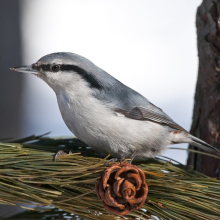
(106, 114)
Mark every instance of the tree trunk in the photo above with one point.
(206, 114)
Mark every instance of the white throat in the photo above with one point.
(81, 110)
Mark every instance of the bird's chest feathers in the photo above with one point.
(81, 113)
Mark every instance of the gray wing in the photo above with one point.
(150, 113)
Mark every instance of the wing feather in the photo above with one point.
(150, 113)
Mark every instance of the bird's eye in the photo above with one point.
(45, 67)
(55, 68)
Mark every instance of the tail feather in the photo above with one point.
(202, 144)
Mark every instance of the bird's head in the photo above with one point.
(61, 70)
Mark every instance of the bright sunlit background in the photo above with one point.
(148, 45)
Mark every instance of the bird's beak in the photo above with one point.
(25, 69)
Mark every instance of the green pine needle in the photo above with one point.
(29, 176)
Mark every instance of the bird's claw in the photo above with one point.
(111, 161)
(60, 153)
(122, 159)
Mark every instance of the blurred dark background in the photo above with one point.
(11, 84)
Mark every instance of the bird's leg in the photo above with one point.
(132, 156)
(123, 157)
(111, 161)
(116, 160)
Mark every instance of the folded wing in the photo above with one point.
(149, 113)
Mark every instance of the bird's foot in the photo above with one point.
(132, 157)
(59, 153)
(122, 159)
(113, 160)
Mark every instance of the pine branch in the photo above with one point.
(28, 175)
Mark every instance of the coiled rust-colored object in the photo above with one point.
(122, 188)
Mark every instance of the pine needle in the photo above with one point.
(29, 176)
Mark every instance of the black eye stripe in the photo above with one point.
(73, 68)
(35, 67)
(84, 74)
(93, 82)
(49, 67)
(45, 67)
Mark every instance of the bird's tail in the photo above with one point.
(202, 144)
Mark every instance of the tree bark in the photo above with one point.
(206, 113)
